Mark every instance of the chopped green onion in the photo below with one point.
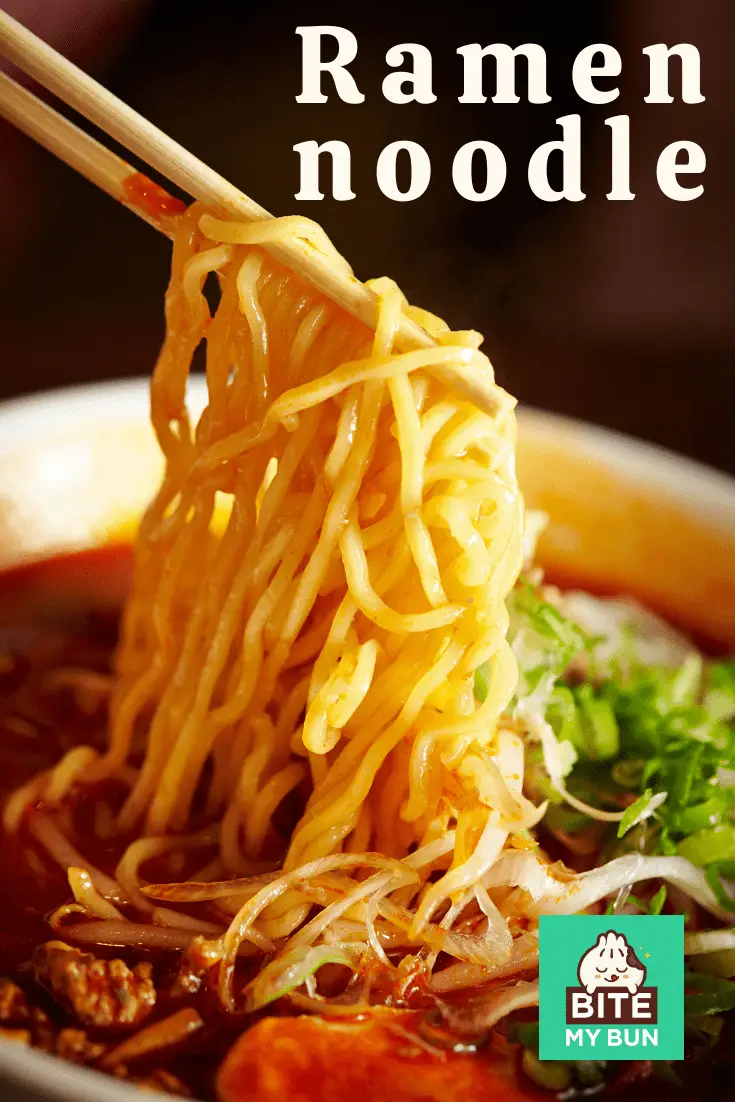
(589, 1072)
(549, 622)
(482, 682)
(714, 873)
(684, 686)
(688, 820)
(628, 773)
(705, 846)
(681, 789)
(651, 769)
(706, 994)
(563, 715)
(560, 818)
(653, 908)
(706, 1029)
(527, 1033)
(667, 733)
(640, 809)
(547, 790)
(656, 905)
(286, 973)
(721, 963)
(719, 696)
(600, 725)
(551, 1074)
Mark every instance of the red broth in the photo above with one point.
(64, 612)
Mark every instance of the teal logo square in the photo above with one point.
(611, 987)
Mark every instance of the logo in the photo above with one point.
(611, 987)
(611, 991)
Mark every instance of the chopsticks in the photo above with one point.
(75, 147)
(135, 133)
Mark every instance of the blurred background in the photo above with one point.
(621, 313)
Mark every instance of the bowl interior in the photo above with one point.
(77, 468)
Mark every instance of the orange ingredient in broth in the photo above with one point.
(309, 1060)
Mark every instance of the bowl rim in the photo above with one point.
(119, 400)
(51, 1076)
(702, 490)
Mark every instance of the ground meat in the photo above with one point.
(198, 960)
(23, 1021)
(75, 1045)
(14, 1007)
(100, 993)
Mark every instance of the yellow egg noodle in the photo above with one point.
(322, 648)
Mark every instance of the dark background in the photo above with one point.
(621, 313)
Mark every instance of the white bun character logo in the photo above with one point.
(611, 963)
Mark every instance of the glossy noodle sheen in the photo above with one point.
(322, 570)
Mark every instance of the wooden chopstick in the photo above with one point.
(134, 132)
(75, 147)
